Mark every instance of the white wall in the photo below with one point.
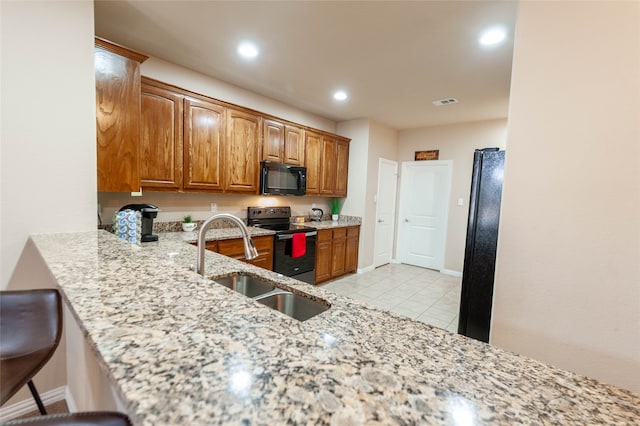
(370, 141)
(567, 287)
(456, 142)
(48, 150)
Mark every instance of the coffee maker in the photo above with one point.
(149, 212)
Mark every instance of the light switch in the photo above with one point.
(460, 201)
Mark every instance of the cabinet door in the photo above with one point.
(203, 141)
(342, 168)
(293, 146)
(328, 166)
(235, 248)
(353, 234)
(241, 152)
(338, 252)
(161, 138)
(273, 133)
(323, 256)
(117, 117)
(313, 153)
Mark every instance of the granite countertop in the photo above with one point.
(214, 234)
(182, 350)
(341, 223)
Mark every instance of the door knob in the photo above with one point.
(380, 220)
(406, 221)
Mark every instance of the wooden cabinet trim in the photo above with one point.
(118, 49)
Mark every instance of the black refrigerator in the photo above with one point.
(482, 241)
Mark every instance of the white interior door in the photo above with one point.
(385, 211)
(424, 206)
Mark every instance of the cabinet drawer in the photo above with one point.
(340, 233)
(235, 247)
(324, 235)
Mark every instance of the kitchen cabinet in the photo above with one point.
(117, 73)
(312, 155)
(342, 168)
(336, 252)
(282, 143)
(328, 166)
(327, 162)
(323, 255)
(272, 141)
(293, 146)
(161, 137)
(241, 151)
(204, 134)
(351, 250)
(235, 248)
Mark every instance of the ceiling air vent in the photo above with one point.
(445, 102)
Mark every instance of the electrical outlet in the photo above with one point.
(214, 207)
(313, 205)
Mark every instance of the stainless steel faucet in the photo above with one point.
(250, 250)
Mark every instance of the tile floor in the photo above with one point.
(418, 293)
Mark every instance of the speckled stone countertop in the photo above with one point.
(182, 350)
(341, 223)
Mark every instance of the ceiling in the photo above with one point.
(393, 58)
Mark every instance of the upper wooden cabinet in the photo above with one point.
(117, 72)
(342, 168)
(272, 140)
(204, 135)
(328, 166)
(282, 143)
(313, 155)
(293, 146)
(161, 137)
(241, 151)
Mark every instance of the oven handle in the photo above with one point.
(290, 236)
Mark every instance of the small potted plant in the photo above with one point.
(187, 224)
(335, 209)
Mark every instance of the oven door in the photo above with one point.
(285, 264)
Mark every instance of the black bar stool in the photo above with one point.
(96, 418)
(30, 330)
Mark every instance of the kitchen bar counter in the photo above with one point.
(181, 350)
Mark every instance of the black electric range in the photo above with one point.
(278, 219)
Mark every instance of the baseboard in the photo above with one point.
(395, 261)
(23, 407)
(367, 269)
(71, 402)
(451, 272)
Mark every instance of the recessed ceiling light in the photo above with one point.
(248, 50)
(492, 36)
(340, 95)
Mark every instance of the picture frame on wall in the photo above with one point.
(433, 154)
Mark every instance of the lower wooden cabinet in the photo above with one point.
(336, 252)
(235, 248)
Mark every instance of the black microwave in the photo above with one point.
(282, 179)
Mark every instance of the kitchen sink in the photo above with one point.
(247, 285)
(296, 306)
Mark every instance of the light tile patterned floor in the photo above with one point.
(418, 293)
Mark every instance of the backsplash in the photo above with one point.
(221, 224)
(174, 205)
